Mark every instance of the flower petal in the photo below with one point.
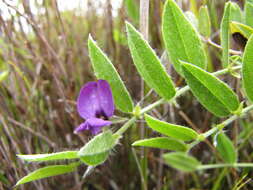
(105, 98)
(82, 127)
(92, 124)
(88, 102)
(96, 124)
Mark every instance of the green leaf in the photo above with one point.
(212, 93)
(3, 75)
(48, 172)
(97, 150)
(177, 131)
(247, 69)
(181, 39)
(243, 29)
(212, 5)
(192, 19)
(204, 21)
(181, 161)
(236, 12)
(148, 64)
(104, 69)
(224, 34)
(162, 143)
(226, 148)
(132, 10)
(49, 157)
(249, 13)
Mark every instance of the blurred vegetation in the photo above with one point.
(46, 66)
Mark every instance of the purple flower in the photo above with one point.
(95, 105)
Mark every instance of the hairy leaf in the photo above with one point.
(97, 150)
(162, 143)
(224, 34)
(48, 172)
(172, 130)
(204, 21)
(132, 10)
(247, 69)
(236, 12)
(104, 69)
(226, 148)
(249, 13)
(148, 64)
(49, 157)
(212, 93)
(181, 39)
(181, 161)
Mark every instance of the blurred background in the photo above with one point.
(43, 64)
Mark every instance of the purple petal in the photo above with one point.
(88, 102)
(82, 127)
(93, 124)
(105, 98)
(96, 124)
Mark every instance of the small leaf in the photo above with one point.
(192, 19)
(249, 13)
(177, 131)
(148, 64)
(104, 69)
(3, 75)
(48, 172)
(49, 157)
(212, 93)
(181, 161)
(132, 10)
(97, 150)
(204, 21)
(212, 5)
(226, 148)
(243, 29)
(236, 12)
(181, 39)
(162, 143)
(247, 69)
(224, 34)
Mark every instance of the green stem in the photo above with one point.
(224, 71)
(162, 101)
(126, 126)
(152, 106)
(139, 168)
(235, 165)
(222, 125)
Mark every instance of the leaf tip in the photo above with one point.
(128, 26)
(136, 143)
(146, 116)
(20, 156)
(91, 40)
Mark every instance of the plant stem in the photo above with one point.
(139, 168)
(179, 93)
(224, 71)
(144, 26)
(209, 41)
(126, 126)
(152, 106)
(222, 125)
(235, 165)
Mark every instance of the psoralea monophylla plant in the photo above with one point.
(187, 54)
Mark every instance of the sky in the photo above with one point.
(62, 4)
